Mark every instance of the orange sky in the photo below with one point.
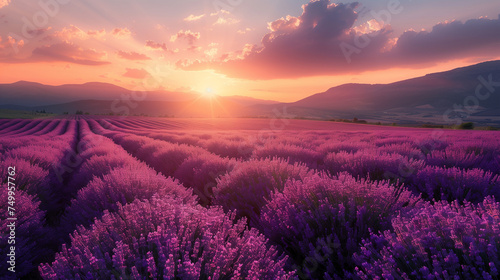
(205, 48)
(287, 90)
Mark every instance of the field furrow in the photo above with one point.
(324, 202)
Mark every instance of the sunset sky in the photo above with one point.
(281, 50)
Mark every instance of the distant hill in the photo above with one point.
(438, 90)
(423, 99)
(102, 98)
(419, 100)
(199, 108)
(34, 94)
(249, 101)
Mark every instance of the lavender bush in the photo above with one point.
(31, 179)
(115, 193)
(319, 221)
(336, 147)
(292, 153)
(121, 185)
(162, 238)
(200, 173)
(405, 149)
(176, 139)
(34, 154)
(456, 184)
(372, 164)
(98, 166)
(456, 158)
(440, 241)
(229, 148)
(250, 183)
(30, 235)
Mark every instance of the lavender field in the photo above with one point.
(153, 198)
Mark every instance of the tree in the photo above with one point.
(467, 125)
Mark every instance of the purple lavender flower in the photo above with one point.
(31, 237)
(163, 238)
(440, 241)
(250, 183)
(319, 221)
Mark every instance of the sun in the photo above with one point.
(209, 92)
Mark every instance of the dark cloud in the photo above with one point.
(155, 45)
(158, 46)
(323, 41)
(67, 52)
(39, 31)
(450, 40)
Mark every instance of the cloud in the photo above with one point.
(194, 48)
(4, 3)
(68, 33)
(73, 32)
(220, 13)
(11, 42)
(9, 48)
(67, 52)
(121, 33)
(155, 46)
(244, 31)
(193, 17)
(39, 31)
(136, 73)
(133, 55)
(187, 35)
(222, 20)
(449, 40)
(324, 41)
(159, 46)
(97, 33)
(211, 53)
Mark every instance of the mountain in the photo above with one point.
(250, 101)
(430, 98)
(439, 90)
(198, 108)
(433, 98)
(34, 94)
(23, 95)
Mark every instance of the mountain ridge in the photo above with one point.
(421, 99)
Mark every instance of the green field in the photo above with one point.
(15, 114)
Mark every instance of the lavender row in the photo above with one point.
(109, 175)
(174, 160)
(37, 189)
(149, 226)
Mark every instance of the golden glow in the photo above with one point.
(209, 92)
(207, 82)
(158, 45)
